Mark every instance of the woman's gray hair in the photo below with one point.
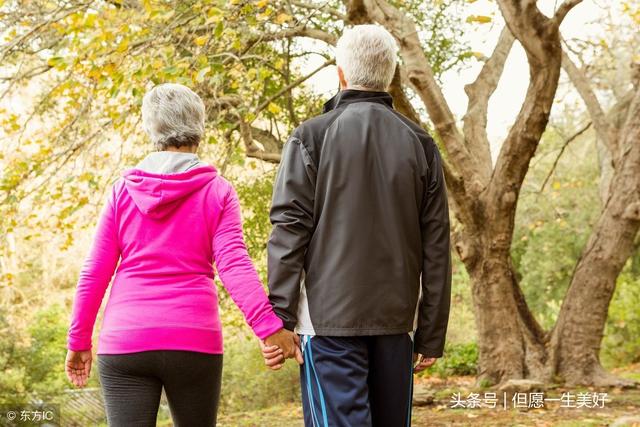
(367, 56)
(173, 116)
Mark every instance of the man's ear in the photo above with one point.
(343, 82)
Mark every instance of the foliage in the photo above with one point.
(255, 198)
(86, 65)
(81, 69)
(462, 326)
(442, 31)
(33, 360)
(621, 344)
(247, 384)
(458, 359)
(553, 225)
(89, 65)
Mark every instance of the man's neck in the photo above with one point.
(358, 87)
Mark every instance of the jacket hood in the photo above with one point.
(157, 194)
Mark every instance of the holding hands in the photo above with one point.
(282, 345)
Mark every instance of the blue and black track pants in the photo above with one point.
(357, 381)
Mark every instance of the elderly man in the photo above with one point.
(360, 230)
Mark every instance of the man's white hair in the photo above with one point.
(367, 56)
(173, 116)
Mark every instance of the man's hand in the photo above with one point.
(282, 345)
(420, 363)
(78, 367)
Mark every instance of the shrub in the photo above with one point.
(621, 343)
(458, 359)
(247, 384)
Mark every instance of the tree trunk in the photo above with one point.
(510, 340)
(576, 339)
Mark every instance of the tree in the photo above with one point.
(511, 342)
(242, 66)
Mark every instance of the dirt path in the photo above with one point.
(578, 407)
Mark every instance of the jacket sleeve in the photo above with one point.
(94, 279)
(433, 311)
(237, 273)
(292, 219)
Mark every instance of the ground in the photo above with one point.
(622, 408)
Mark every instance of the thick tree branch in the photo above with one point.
(400, 101)
(299, 31)
(564, 8)
(357, 12)
(541, 40)
(253, 149)
(479, 92)
(532, 29)
(420, 76)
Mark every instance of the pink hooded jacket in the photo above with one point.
(166, 229)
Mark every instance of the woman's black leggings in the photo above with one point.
(132, 385)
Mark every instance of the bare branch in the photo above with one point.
(291, 85)
(564, 8)
(564, 147)
(479, 92)
(266, 157)
(601, 124)
(326, 8)
(299, 31)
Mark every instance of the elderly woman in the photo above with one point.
(166, 221)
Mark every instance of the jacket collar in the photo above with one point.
(349, 96)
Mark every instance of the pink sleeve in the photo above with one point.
(237, 272)
(94, 279)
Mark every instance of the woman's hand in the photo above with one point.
(282, 345)
(273, 357)
(78, 367)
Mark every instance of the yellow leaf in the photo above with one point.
(273, 108)
(480, 19)
(556, 185)
(123, 46)
(262, 3)
(282, 18)
(201, 41)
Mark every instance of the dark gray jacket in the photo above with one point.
(359, 215)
